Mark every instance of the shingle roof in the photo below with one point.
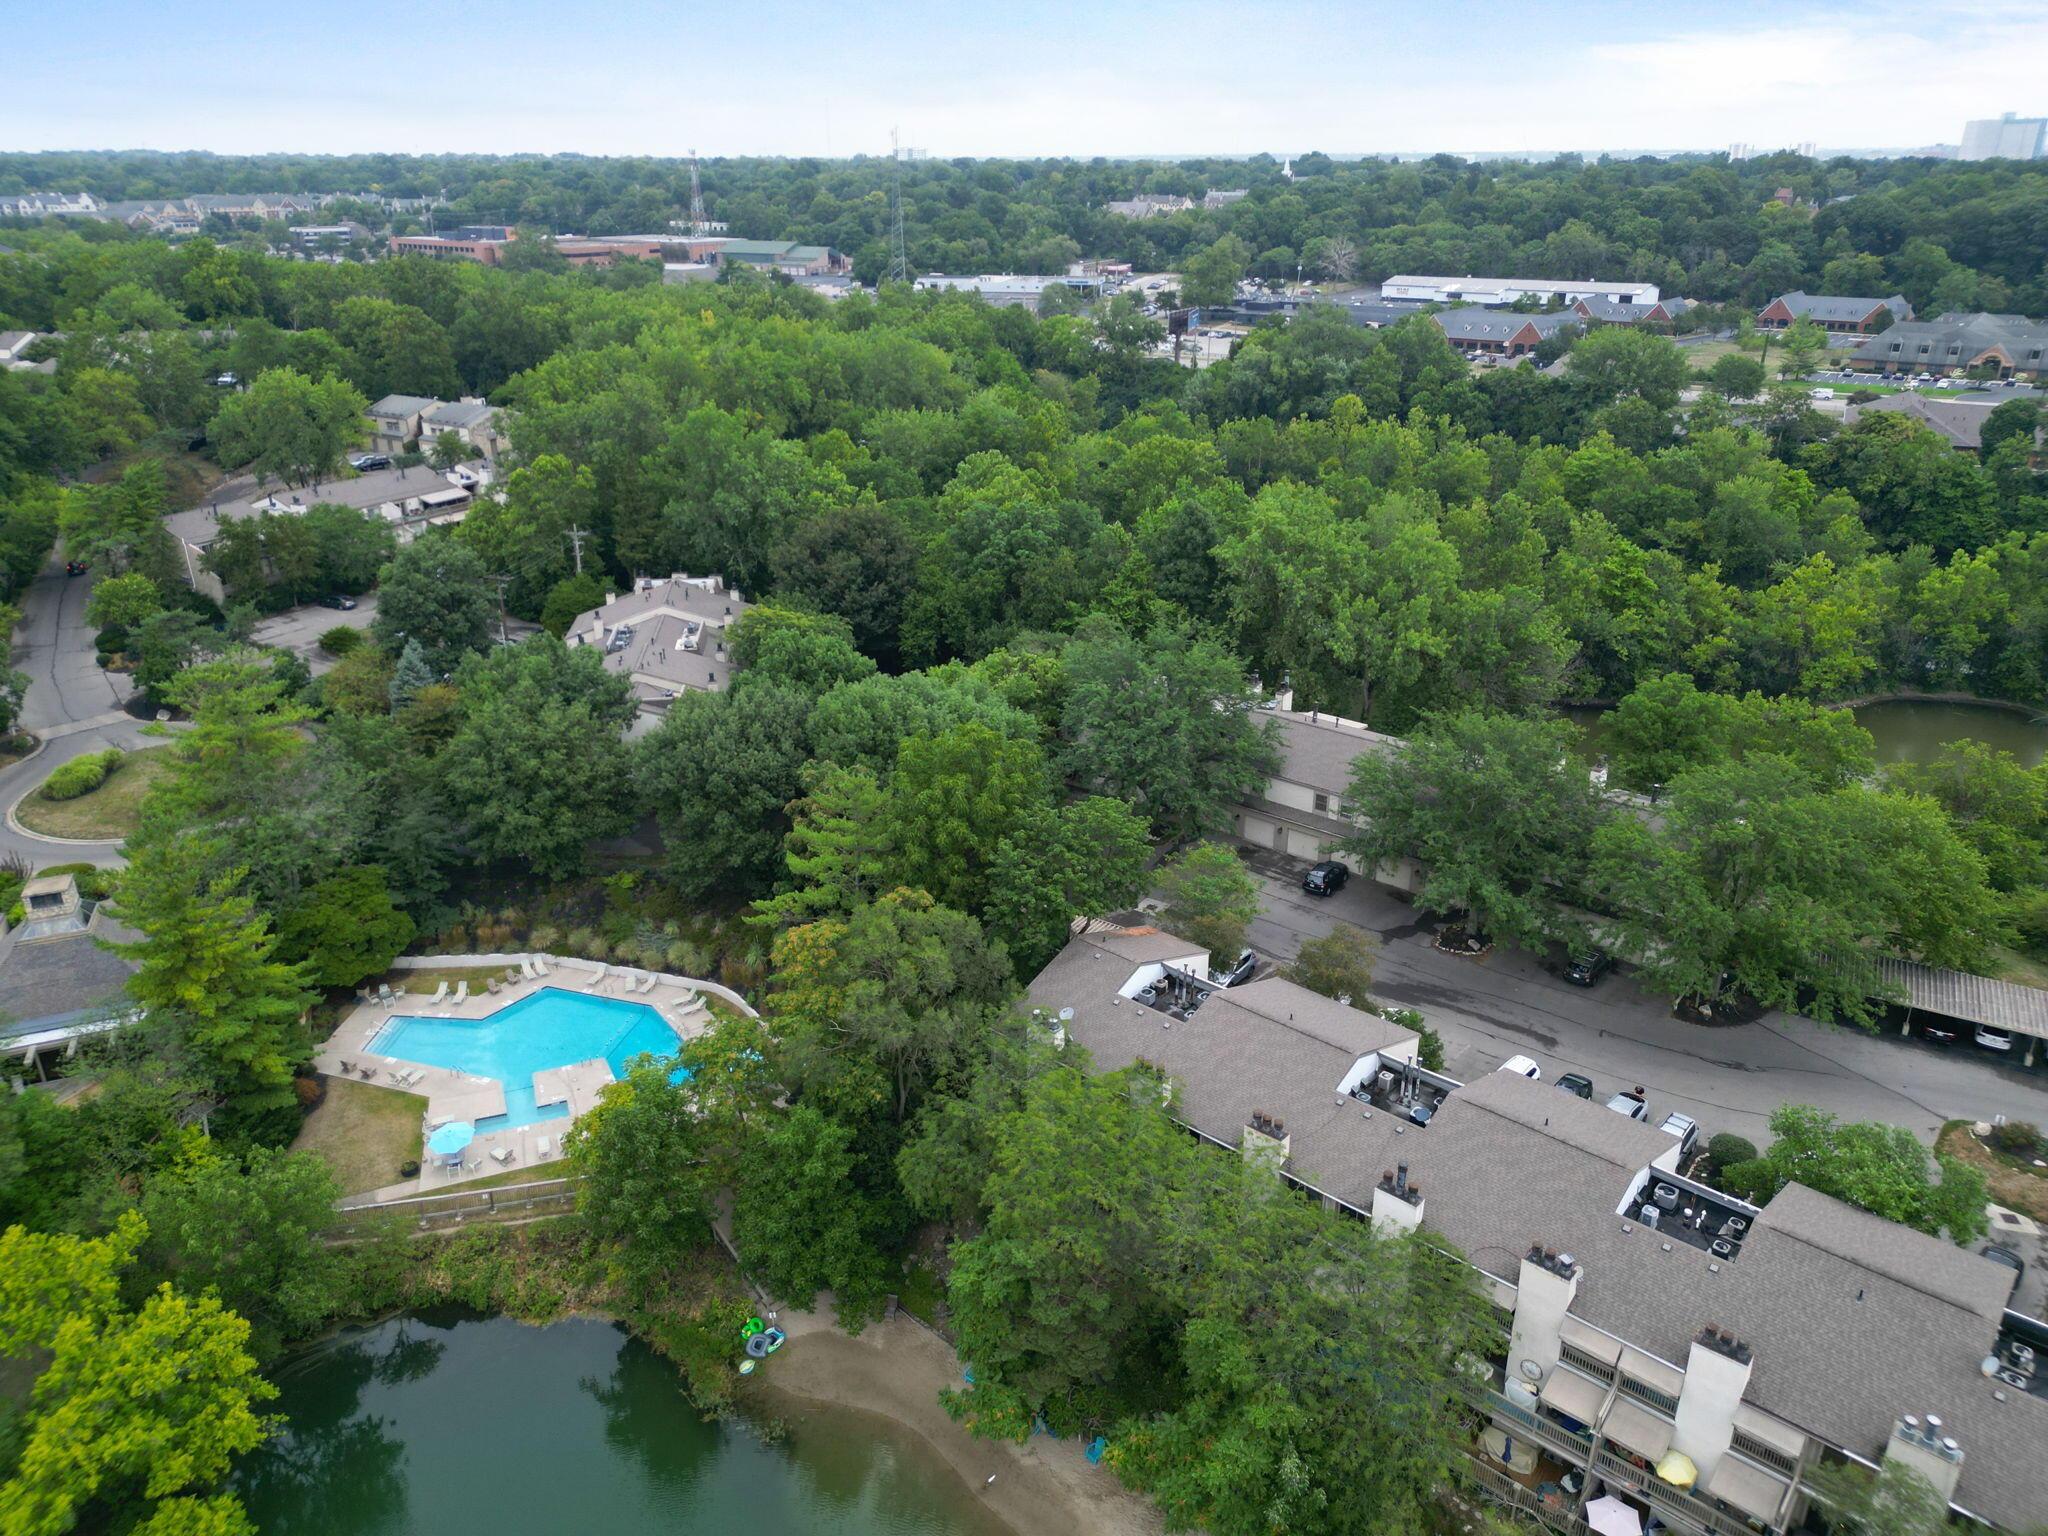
(1317, 750)
(198, 525)
(1853, 1320)
(52, 978)
(1971, 336)
(1472, 323)
(1824, 308)
(460, 413)
(1960, 421)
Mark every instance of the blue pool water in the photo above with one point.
(550, 1028)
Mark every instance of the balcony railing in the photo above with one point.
(1506, 1490)
(1546, 1432)
(1696, 1512)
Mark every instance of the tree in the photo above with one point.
(804, 652)
(1879, 1167)
(800, 1222)
(395, 349)
(251, 1230)
(116, 523)
(448, 450)
(1210, 900)
(536, 766)
(1615, 362)
(435, 591)
(954, 799)
(525, 534)
(1667, 725)
(1168, 725)
(1211, 276)
(719, 775)
(857, 562)
(647, 1182)
(345, 928)
(1497, 812)
(1080, 859)
(1996, 806)
(349, 545)
(568, 600)
(1736, 377)
(1892, 1501)
(131, 1406)
(1755, 875)
(206, 959)
(2017, 418)
(1803, 344)
(287, 425)
(1337, 964)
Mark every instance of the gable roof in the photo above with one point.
(1825, 308)
(1955, 339)
(1471, 323)
(396, 406)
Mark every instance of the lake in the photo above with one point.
(447, 1426)
(1908, 730)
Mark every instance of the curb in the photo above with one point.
(14, 826)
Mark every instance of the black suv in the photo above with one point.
(1326, 879)
(1587, 967)
(367, 461)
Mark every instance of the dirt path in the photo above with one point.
(1045, 1487)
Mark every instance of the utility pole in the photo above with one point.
(504, 631)
(576, 536)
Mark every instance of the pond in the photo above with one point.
(1908, 730)
(432, 1425)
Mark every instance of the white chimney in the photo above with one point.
(1544, 1293)
(1716, 1376)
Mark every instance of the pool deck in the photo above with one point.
(453, 1095)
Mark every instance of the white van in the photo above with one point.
(1823, 394)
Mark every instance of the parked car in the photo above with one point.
(1939, 1034)
(362, 462)
(1633, 1104)
(338, 600)
(225, 381)
(1238, 971)
(1522, 1066)
(1576, 1083)
(77, 567)
(1993, 1039)
(1687, 1130)
(1326, 878)
(1587, 967)
(1998, 1253)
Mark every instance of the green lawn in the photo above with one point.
(111, 811)
(364, 1132)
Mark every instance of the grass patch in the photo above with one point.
(112, 811)
(2014, 1181)
(427, 981)
(2012, 965)
(364, 1133)
(919, 1292)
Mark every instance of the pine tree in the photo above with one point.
(411, 676)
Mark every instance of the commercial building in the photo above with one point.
(410, 500)
(603, 253)
(313, 237)
(2004, 346)
(1500, 333)
(785, 256)
(448, 248)
(1688, 1353)
(1008, 290)
(1960, 423)
(1147, 205)
(669, 635)
(1495, 291)
(2005, 138)
(1622, 312)
(1842, 315)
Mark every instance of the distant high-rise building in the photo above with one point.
(2005, 138)
(1808, 148)
(1739, 151)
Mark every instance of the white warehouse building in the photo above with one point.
(1413, 289)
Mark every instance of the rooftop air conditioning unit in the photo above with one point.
(1652, 1216)
(1386, 1082)
(1667, 1196)
(1722, 1248)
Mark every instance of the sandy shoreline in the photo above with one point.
(1044, 1487)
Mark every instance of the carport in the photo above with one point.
(1967, 999)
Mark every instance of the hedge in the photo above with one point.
(340, 640)
(82, 775)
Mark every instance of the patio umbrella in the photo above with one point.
(1610, 1517)
(452, 1139)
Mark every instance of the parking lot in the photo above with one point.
(298, 630)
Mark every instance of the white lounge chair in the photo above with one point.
(439, 993)
(461, 992)
(540, 967)
(501, 1154)
(647, 985)
(545, 1147)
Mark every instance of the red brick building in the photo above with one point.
(1845, 316)
(442, 249)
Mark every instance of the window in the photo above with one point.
(1322, 801)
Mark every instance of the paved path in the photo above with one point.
(1727, 1079)
(72, 704)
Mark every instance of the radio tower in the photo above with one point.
(899, 262)
(699, 225)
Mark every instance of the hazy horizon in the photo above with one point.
(642, 77)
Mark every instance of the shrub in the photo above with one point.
(2017, 1137)
(82, 775)
(578, 941)
(340, 640)
(409, 1169)
(1726, 1150)
(545, 937)
(2030, 917)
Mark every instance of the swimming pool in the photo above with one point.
(550, 1028)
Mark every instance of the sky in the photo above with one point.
(1061, 77)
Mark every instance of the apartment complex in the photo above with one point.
(2006, 137)
(669, 635)
(401, 423)
(1686, 1352)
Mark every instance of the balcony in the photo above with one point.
(1546, 1432)
(1695, 1513)
(1505, 1490)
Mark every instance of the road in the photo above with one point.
(1728, 1079)
(72, 703)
